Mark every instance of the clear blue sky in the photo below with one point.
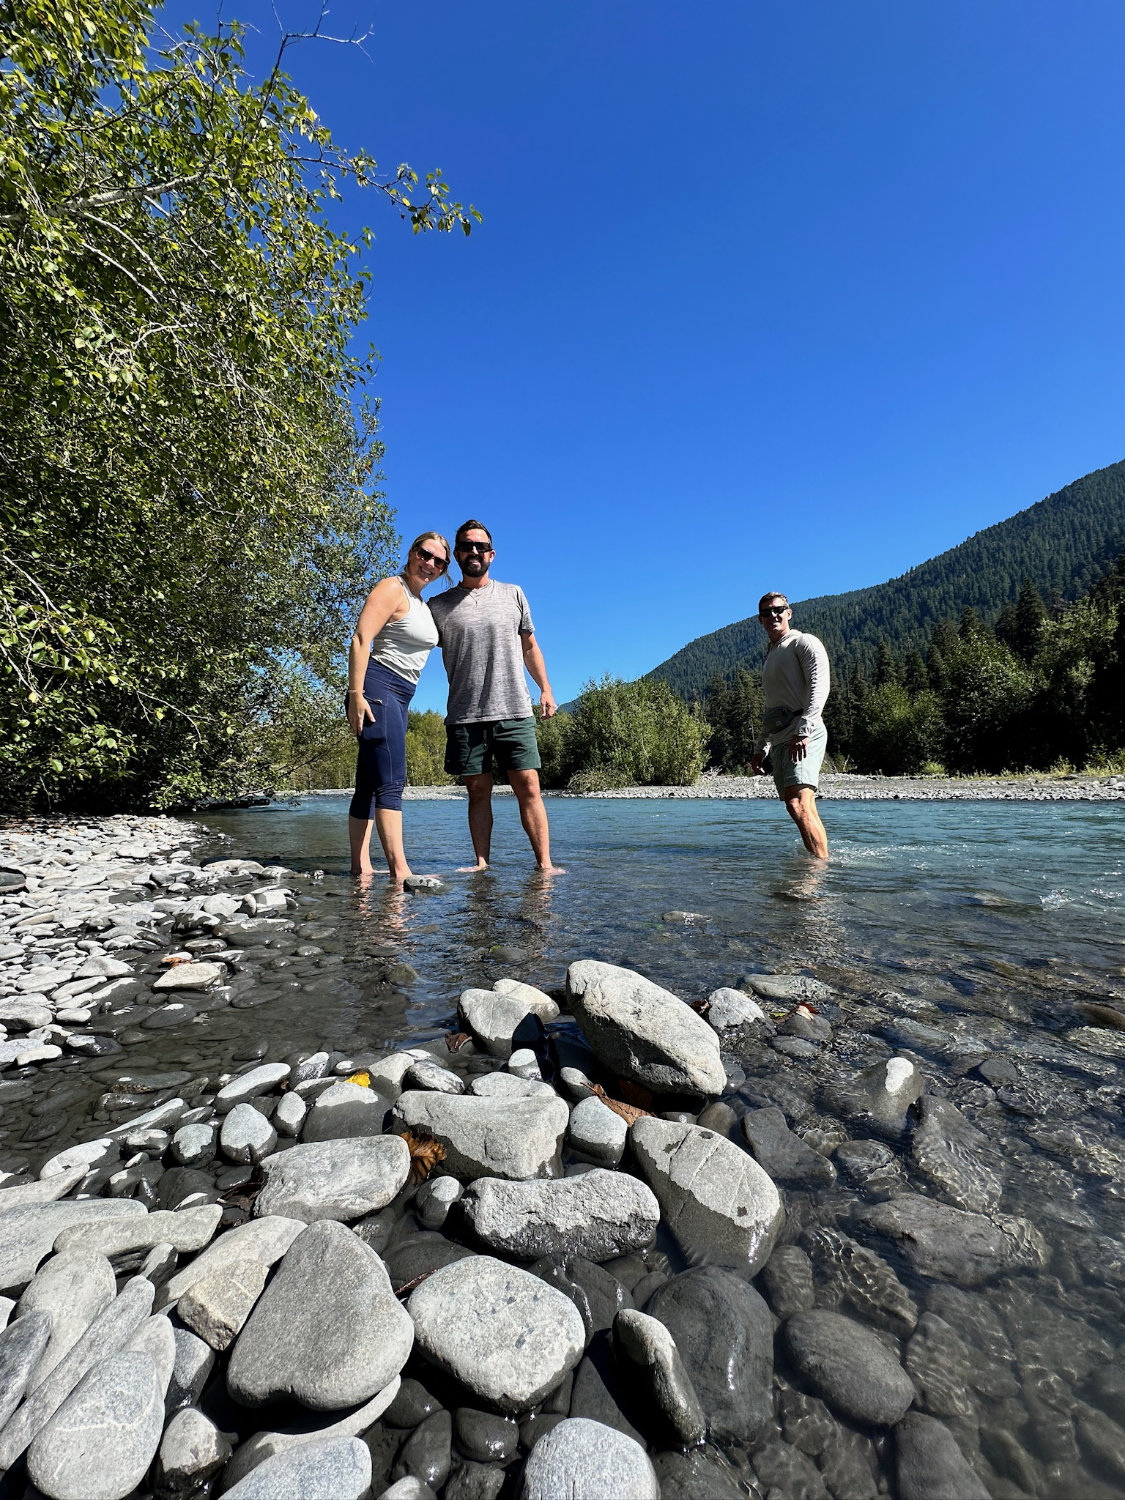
(786, 296)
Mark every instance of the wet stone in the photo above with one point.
(724, 1334)
(484, 1436)
(646, 1344)
(597, 1216)
(929, 1465)
(785, 1156)
(785, 1470)
(879, 1098)
(595, 1292)
(427, 1453)
(870, 1166)
(192, 1365)
(412, 1404)
(950, 1245)
(948, 1153)
(848, 1367)
(474, 1481)
(941, 1365)
(701, 1472)
(854, 1277)
(788, 1281)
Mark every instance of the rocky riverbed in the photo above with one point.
(587, 1242)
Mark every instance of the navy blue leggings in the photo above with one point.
(380, 771)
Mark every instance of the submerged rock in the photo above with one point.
(849, 1367)
(643, 1032)
(951, 1245)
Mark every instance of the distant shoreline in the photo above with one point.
(833, 787)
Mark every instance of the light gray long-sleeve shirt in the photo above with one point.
(796, 680)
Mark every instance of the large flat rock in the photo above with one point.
(504, 1333)
(341, 1180)
(716, 1199)
(185, 1229)
(28, 1234)
(328, 1331)
(952, 1245)
(72, 1288)
(598, 1215)
(265, 1240)
(488, 1137)
(644, 1032)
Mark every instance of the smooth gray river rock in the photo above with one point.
(435, 1198)
(289, 1116)
(584, 1460)
(186, 1229)
(191, 1450)
(217, 1306)
(489, 1137)
(644, 1032)
(736, 1016)
(716, 1199)
(786, 989)
(191, 1368)
(929, 1465)
(246, 1135)
(344, 1111)
(194, 1145)
(426, 1073)
(334, 1179)
(535, 1000)
(71, 1288)
(328, 1469)
(261, 1080)
(597, 1131)
(499, 1330)
(951, 1245)
(598, 1215)
(111, 1329)
(47, 1190)
(783, 1155)
(199, 976)
(28, 1234)
(507, 1085)
(849, 1367)
(265, 1240)
(724, 1334)
(646, 1344)
(101, 1441)
(502, 1022)
(309, 1427)
(156, 1338)
(878, 1098)
(949, 1154)
(328, 1331)
(86, 1155)
(22, 1346)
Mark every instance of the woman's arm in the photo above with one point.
(384, 602)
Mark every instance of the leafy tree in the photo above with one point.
(554, 739)
(901, 731)
(425, 749)
(988, 690)
(188, 472)
(637, 734)
(734, 712)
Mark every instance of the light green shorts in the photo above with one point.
(789, 773)
(471, 749)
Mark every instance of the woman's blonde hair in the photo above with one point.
(427, 536)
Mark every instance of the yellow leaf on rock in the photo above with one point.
(363, 1079)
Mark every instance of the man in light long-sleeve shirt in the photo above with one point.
(795, 680)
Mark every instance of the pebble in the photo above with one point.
(643, 1032)
(716, 1200)
(328, 1332)
(289, 1116)
(499, 1330)
(597, 1131)
(327, 1469)
(191, 1450)
(246, 1135)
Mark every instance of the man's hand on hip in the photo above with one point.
(798, 747)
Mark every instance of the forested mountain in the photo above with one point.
(1062, 545)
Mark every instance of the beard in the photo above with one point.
(474, 565)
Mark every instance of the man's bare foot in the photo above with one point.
(363, 869)
(551, 869)
(481, 864)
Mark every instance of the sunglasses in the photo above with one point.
(473, 547)
(432, 557)
(774, 609)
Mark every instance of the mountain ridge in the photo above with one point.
(1063, 544)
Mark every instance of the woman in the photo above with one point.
(392, 640)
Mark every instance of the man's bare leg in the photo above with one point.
(388, 822)
(533, 816)
(800, 804)
(359, 840)
(479, 789)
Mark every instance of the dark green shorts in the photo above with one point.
(471, 749)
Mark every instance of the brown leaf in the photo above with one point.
(628, 1112)
(425, 1154)
(456, 1040)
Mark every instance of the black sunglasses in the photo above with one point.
(773, 609)
(473, 547)
(432, 557)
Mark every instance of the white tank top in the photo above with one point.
(403, 645)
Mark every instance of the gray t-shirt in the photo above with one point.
(480, 632)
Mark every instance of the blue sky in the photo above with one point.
(767, 296)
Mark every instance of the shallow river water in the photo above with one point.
(982, 941)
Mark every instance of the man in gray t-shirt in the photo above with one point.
(487, 640)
